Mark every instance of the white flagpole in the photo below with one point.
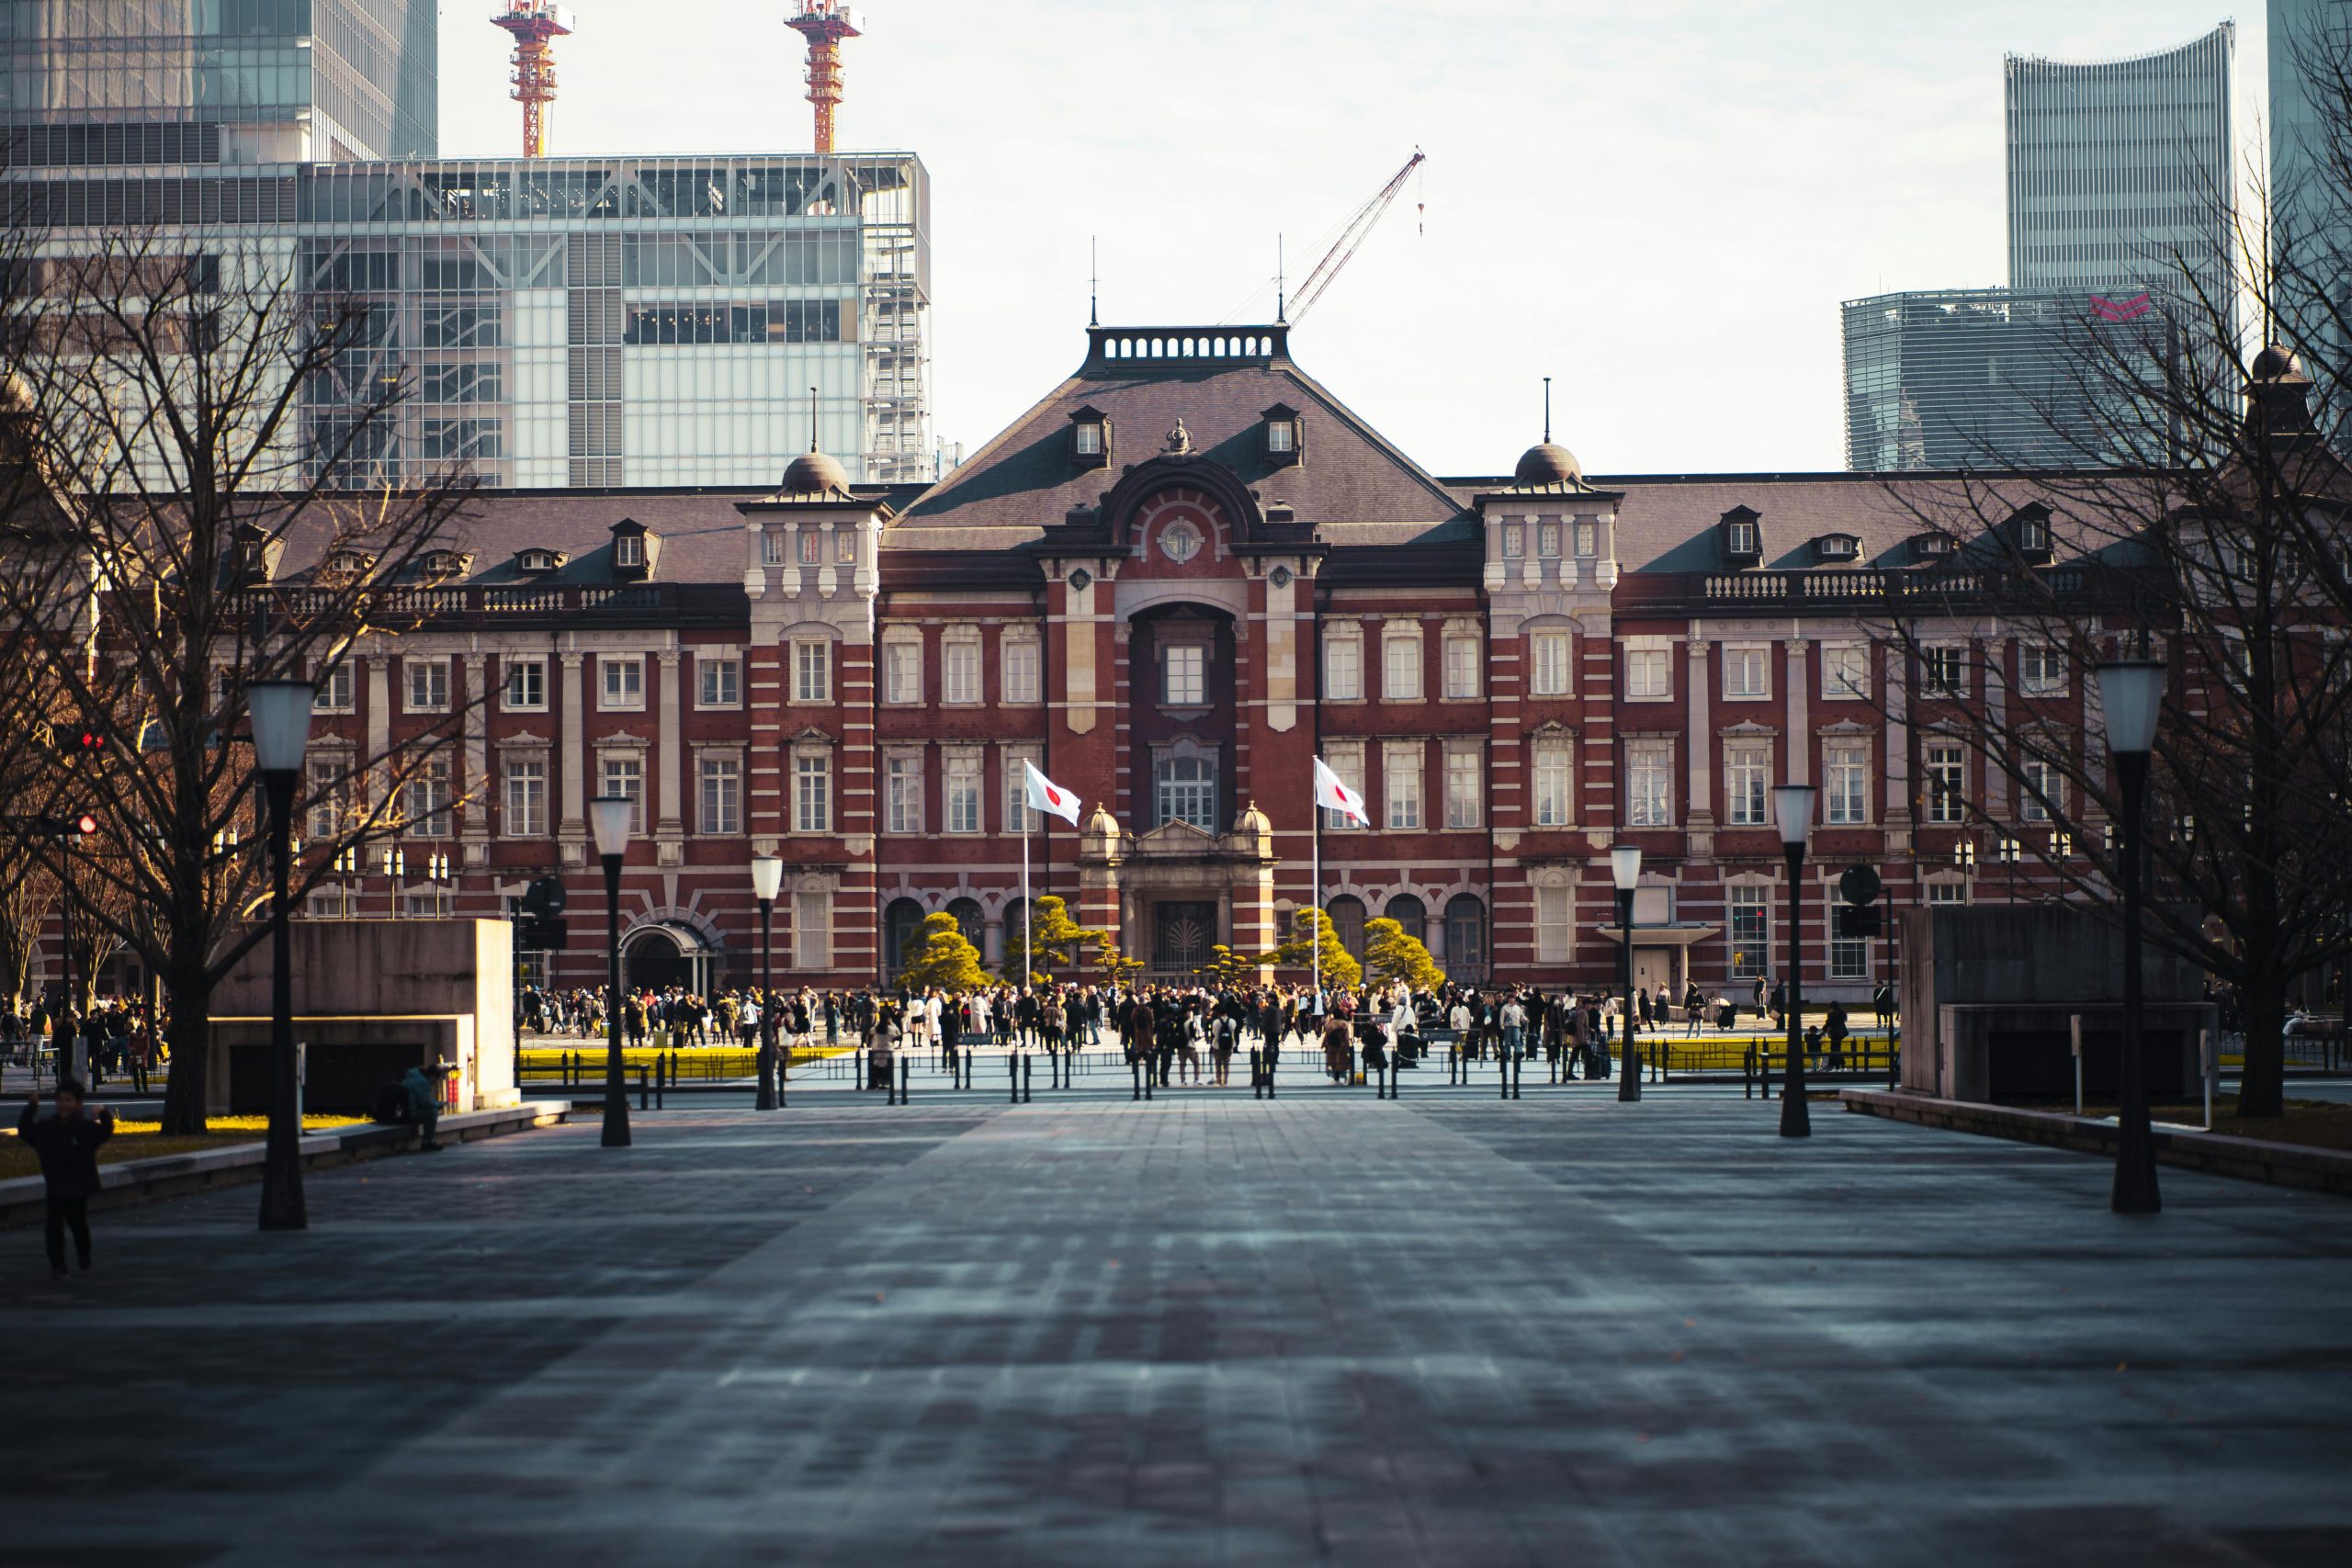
(1315, 902)
(1028, 911)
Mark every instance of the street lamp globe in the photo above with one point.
(2131, 696)
(609, 818)
(1625, 866)
(1792, 809)
(767, 877)
(281, 719)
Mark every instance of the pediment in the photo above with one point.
(1175, 833)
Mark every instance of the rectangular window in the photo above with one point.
(1347, 761)
(526, 797)
(1649, 784)
(1553, 909)
(1343, 669)
(812, 935)
(772, 548)
(1514, 540)
(1548, 657)
(2042, 671)
(812, 548)
(335, 689)
(1090, 438)
(722, 681)
(2044, 790)
(1850, 956)
(1547, 540)
(1747, 673)
(624, 778)
(902, 794)
(1947, 783)
(428, 684)
(1746, 771)
(1846, 672)
(812, 671)
(812, 794)
(1945, 669)
(1751, 932)
(1465, 789)
(1845, 778)
(963, 795)
(903, 672)
(1016, 788)
(425, 800)
(526, 686)
(1587, 540)
(1401, 782)
(1401, 669)
(959, 671)
(1951, 890)
(1461, 667)
(1184, 676)
(1017, 665)
(845, 547)
(1646, 674)
(722, 795)
(325, 778)
(1553, 781)
(624, 682)
(1186, 791)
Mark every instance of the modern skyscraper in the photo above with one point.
(1960, 379)
(2124, 171)
(2311, 212)
(576, 321)
(146, 82)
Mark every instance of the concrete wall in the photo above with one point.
(443, 990)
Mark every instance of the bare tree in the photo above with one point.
(179, 528)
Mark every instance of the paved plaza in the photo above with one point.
(1203, 1330)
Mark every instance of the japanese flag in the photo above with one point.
(1043, 795)
(1333, 795)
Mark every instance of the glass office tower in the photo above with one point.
(1960, 379)
(149, 82)
(2118, 167)
(2311, 227)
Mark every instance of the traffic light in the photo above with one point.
(80, 826)
(89, 740)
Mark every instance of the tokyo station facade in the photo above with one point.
(1181, 576)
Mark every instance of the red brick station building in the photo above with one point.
(1183, 575)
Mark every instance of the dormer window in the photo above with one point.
(535, 562)
(1838, 548)
(2030, 531)
(1743, 535)
(1285, 434)
(438, 564)
(1090, 438)
(255, 554)
(630, 553)
(347, 564)
(1932, 547)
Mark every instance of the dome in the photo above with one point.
(1252, 821)
(2274, 363)
(1101, 823)
(1548, 464)
(813, 473)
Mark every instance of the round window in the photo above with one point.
(1180, 542)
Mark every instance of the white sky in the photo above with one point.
(1660, 203)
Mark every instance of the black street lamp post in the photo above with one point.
(2130, 694)
(608, 819)
(1793, 806)
(280, 711)
(1625, 869)
(767, 881)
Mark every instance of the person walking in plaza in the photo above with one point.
(67, 1147)
(1834, 1030)
(1694, 1009)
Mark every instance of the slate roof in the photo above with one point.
(1352, 486)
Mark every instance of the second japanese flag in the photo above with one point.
(1045, 795)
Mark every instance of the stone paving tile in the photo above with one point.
(1203, 1330)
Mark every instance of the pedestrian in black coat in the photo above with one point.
(67, 1147)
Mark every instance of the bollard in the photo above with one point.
(1502, 1073)
(1515, 1074)
(1135, 1066)
(1272, 1062)
(1257, 1073)
(1027, 1094)
(1013, 1078)
(644, 1099)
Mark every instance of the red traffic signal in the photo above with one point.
(85, 825)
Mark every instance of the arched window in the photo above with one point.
(968, 917)
(1466, 937)
(901, 921)
(1186, 791)
(1412, 914)
(1347, 922)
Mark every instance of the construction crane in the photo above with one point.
(824, 23)
(1358, 228)
(536, 24)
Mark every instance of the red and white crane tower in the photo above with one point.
(536, 24)
(824, 23)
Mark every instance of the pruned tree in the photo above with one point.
(944, 959)
(1392, 956)
(1048, 940)
(183, 433)
(1313, 929)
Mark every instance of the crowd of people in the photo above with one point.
(119, 1037)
